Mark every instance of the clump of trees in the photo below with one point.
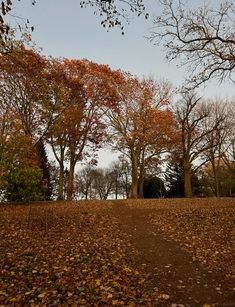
(142, 127)
(72, 108)
(53, 102)
(102, 183)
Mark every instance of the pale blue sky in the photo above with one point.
(63, 29)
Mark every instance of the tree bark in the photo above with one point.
(188, 191)
(215, 174)
(61, 182)
(134, 177)
(70, 188)
(44, 166)
(141, 176)
(141, 186)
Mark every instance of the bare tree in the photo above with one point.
(203, 39)
(191, 114)
(92, 183)
(103, 182)
(219, 138)
(83, 183)
(228, 155)
(120, 171)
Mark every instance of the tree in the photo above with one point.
(219, 138)
(54, 178)
(23, 72)
(120, 172)
(44, 165)
(154, 188)
(228, 155)
(125, 176)
(191, 114)
(141, 127)
(84, 183)
(225, 184)
(21, 178)
(23, 184)
(5, 129)
(67, 92)
(174, 177)
(78, 132)
(92, 182)
(202, 38)
(103, 182)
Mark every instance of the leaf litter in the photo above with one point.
(75, 254)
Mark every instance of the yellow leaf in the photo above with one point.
(14, 299)
(98, 282)
(116, 283)
(126, 269)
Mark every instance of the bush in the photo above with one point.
(23, 184)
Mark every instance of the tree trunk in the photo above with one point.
(141, 186)
(44, 166)
(215, 174)
(61, 182)
(187, 180)
(126, 187)
(116, 188)
(70, 181)
(116, 193)
(134, 175)
(141, 176)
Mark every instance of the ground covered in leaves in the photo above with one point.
(118, 253)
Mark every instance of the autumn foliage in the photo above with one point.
(142, 127)
(69, 109)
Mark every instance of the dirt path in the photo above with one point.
(171, 272)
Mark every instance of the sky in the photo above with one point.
(66, 30)
(63, 29)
